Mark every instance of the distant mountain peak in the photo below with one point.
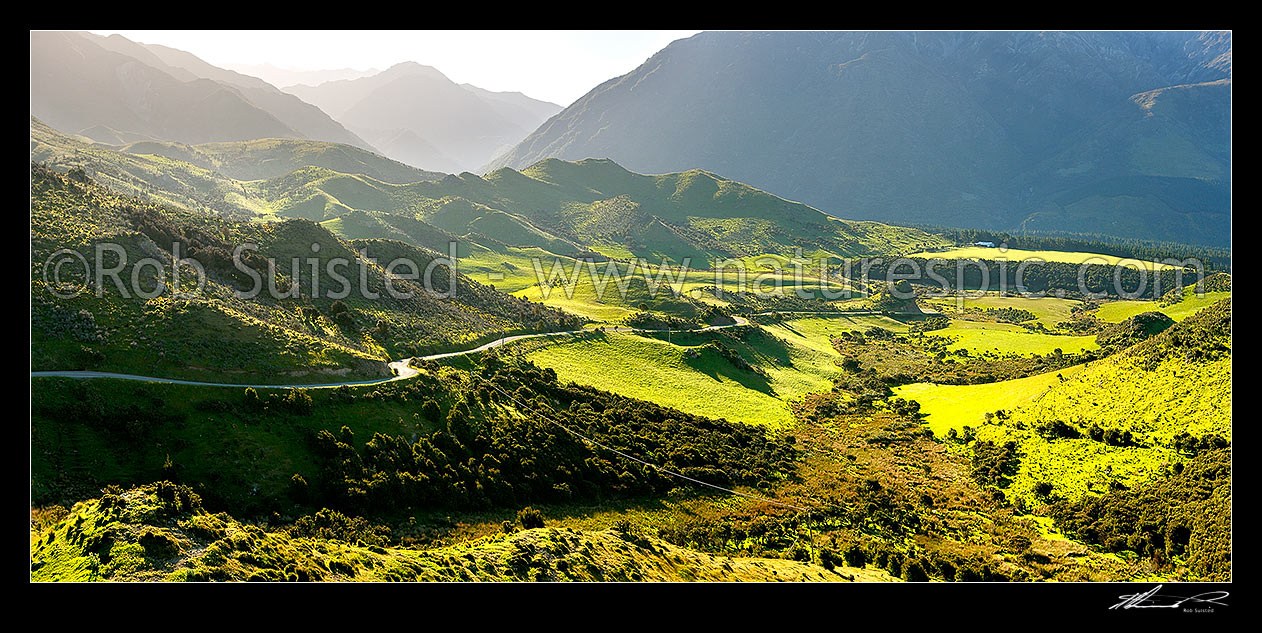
(413, 68)
(416, 114)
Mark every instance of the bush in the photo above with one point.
(530, 518)
(915, 572)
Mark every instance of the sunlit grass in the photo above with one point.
(956, 406)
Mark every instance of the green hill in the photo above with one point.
(597, 204)
(570, 209)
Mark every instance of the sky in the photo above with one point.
(556, 66)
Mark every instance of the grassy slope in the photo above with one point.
(1118, 311)
(562, 207)
(956, 406)
(654, 370)
(272, 157)
(795, 356)
(153, 178)
(76, 450)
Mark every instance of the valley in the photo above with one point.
(315, 345)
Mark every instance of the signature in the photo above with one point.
(1150, 600)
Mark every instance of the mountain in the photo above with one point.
(524, 111)
(408, 147)
(117, 91)
(988, 130)
(1157, 167)
(419, 116)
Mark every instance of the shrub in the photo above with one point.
(530, 518)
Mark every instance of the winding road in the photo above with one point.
(402, 369)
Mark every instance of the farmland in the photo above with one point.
(1017, 255)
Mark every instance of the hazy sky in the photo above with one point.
(557, 66)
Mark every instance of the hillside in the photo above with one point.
(1156, 167)
(980, 130)
(1127, 418)
(271, 158)
(417, 115)
(162, 532)
(294, 335)
(1178, 381)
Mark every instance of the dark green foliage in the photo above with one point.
(1010, 315)
(485, 459)
(1131, 331)
(929, 324)
(829, 559)
(905, 408)
(913, 571)
(296, 401)
(1056, 429)
(1144, 250)
(1191, 445)
(855, 556)
(333, 525)
(430, 410)
(993, 463)
(1045, 277)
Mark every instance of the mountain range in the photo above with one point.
(282, 77)
(583, 208)
(1127, 134)
(415, 114)
(116, 91)
(1110, 133)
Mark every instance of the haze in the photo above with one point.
(556, 66)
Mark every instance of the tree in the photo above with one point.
(828, 559)
(855, 556)
(430, 410)
(915, 572)
(298, 401)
